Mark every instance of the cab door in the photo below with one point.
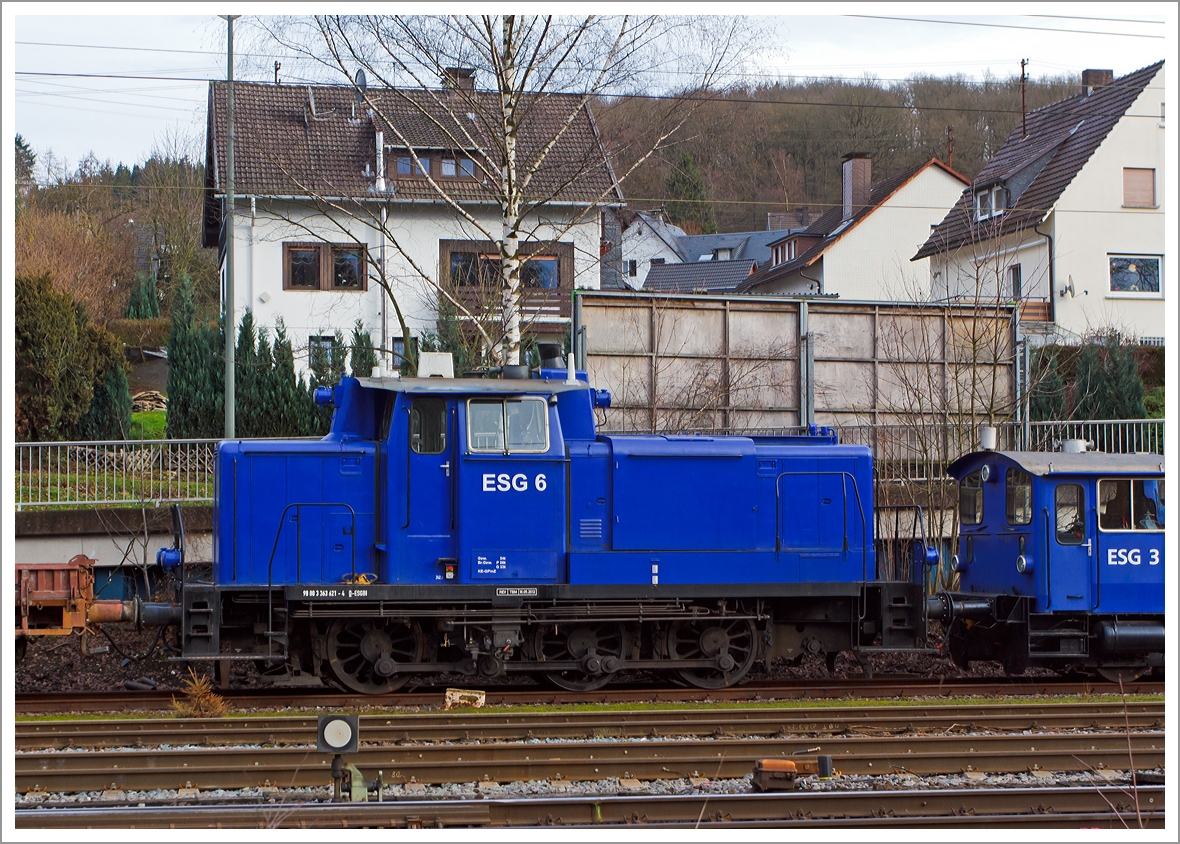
(430, 490)
(1070, 547)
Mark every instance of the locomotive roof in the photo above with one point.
(493, 386)
(1063, 463)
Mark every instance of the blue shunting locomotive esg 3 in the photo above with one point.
(484, 527)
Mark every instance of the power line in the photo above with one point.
(778, 74)
(1005, 26)
(1102, 20)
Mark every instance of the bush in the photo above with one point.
(71, 379)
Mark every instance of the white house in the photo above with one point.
(330, 199)
(649, 240)
(861, 249)
(1068, 217)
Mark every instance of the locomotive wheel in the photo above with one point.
(361, 653)
(582, 642)
(736, 638)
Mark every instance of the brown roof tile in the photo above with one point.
(281, 150)
(1067, 132)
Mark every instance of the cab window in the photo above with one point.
(428, 426)
(1069, 504)
(508, 426)
(1018, 497)
(1131, 504)
(971, 499)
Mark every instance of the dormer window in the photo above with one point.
(990, 203)
(983, 205)
(790, 250)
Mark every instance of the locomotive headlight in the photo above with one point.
(1023, 564)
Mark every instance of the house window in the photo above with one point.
(633, 268)
(319, 351)
(457, 168)
(722, 254)
(1139, 187)
(476, 264)
(400, 350)
(325, 266)
(406, 166)
(998, 203)
(983, 205)
(1014, 281)
(790, 250)
(1135, 274)
(656, 261)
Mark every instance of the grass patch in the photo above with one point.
(1007, 703)
(148, 425)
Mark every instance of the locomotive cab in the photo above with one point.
(1060, 562)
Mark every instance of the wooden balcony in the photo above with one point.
(1036, 311)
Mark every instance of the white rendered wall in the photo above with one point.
(411, 256)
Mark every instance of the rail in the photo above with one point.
(159, 472)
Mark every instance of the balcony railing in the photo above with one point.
(537, 305)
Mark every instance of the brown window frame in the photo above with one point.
(562, 251)
(326, 263)
(434, 159)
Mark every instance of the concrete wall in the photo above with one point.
(713, 362)
(113, 537)
(411, 256)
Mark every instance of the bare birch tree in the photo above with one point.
(528, 60)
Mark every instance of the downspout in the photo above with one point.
(1052, 278)
(384, 294)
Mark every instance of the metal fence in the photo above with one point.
(155, 472)
(140, 472)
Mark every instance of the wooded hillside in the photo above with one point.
(764, 147)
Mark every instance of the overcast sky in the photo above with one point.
(121, 119)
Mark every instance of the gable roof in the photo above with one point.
(280, 150)
(831, 226)
(1061, 138)
(698, 276)
(751, 246)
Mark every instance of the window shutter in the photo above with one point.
(1139, 187)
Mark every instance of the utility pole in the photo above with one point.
(230, 322)
(950, 147)
(1023, 109)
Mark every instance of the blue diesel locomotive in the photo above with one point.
(483, 527)
(1061, 562)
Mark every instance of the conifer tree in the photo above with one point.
(364, 357)
(691, 201)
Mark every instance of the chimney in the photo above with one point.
(460, 78)
(1092, 79)
(857, 177)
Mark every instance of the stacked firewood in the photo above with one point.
(148, 400)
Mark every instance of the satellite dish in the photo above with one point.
(361, 85)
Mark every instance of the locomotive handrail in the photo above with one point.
(1048, 569)
(1096, 562)
(299, 505)
(845, 477)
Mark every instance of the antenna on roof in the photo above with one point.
(314, 114)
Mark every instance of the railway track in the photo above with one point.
(289, 767)
(1105, 806)
(881, 687)
(621, 724)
